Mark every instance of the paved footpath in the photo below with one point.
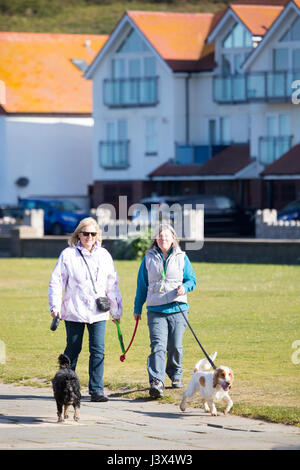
(28, 421)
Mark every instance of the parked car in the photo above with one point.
(14, 212)
(222, 216)
(290, 212)
(60, 217)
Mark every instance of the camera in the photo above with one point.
(103, 304)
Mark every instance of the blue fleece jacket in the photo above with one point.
(189, 283)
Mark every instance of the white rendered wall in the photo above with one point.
(53, 153)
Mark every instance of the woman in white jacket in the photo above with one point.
(72, 297)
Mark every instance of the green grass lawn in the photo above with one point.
(248, 313)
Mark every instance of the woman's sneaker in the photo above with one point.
(177, 383)
(156, 389)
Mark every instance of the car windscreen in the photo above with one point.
(66, 206)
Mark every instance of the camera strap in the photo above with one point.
(81, 254)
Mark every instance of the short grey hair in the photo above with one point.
(160, 229)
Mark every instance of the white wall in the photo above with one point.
(202, 108)
(140, 164)
(53, 153)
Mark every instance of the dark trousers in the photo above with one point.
(96, 332)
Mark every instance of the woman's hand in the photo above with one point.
(180, 290)
(55, 314)
(137, 316)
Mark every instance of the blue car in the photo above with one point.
(290, 212)
(60, 217)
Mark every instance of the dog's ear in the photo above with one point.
(216, 377)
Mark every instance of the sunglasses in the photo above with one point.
(86, 234)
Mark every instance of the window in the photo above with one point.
(133, 43)
(296, 59)
(133, 80)
(114, 150)
(280, 59)
(293, 33)
(278, 139)
(219, 132)
(151, 136)
(238, 37)
(278, 125)
(235, 48)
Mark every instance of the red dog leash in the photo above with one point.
(122, 357)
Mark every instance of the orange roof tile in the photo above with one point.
(257, 18)
(175, 36)
(38, 73)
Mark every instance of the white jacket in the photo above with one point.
(71, 291)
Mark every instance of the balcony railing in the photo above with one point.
(196, 154)
(257, 86)
(271, 148)
(130, 92)
(114, 154)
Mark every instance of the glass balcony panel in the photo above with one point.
(223, 89)
(256, 86)
(272, 148)
(148, 91)
(114, 154)
(184, 154)
(239, 88)
(196, 154)
(276, 84)
(130, 92)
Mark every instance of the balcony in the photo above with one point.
(114, 155)
(258, 86)
(130, 92)
(196, 154)
(272, 148)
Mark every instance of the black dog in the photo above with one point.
(66, 388)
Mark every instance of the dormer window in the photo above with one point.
(286, 55)
(133, 43)
(239, 36)
(133, 80)
(293, 33)
(235, 48)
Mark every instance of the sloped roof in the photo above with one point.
(179, 38)
(38, 73)
(228, 162)
(257, 18)
(287, 164)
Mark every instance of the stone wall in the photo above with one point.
(268, 227)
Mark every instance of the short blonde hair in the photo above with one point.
(74, 238)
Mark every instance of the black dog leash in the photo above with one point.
(207, 356)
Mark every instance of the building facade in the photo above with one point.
(199, 103)
(46, 122)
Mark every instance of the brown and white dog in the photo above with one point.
(213, 386)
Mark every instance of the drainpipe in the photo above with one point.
(187, 109)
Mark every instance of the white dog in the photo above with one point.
(212, 386)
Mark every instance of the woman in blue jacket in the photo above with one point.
(164, 278)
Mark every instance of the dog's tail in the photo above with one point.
(203, 364)
(64, 361)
